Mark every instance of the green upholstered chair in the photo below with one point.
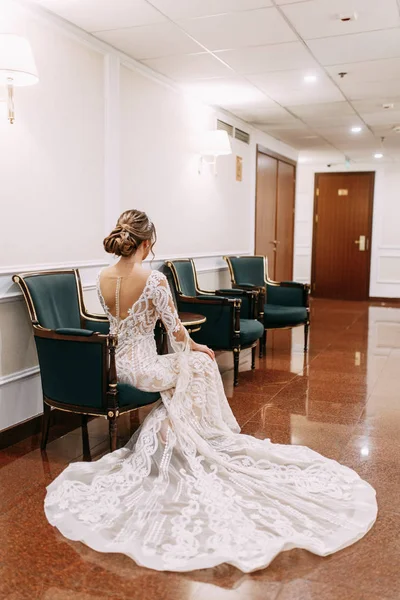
(231, 314)
(282, 304)
(76, 353)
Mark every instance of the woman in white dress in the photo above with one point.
(189, 491)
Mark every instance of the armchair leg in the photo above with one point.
(306, 332)
(264, 342)
(85, 437)
(113, 428)
(236, 354)
(261, 348)
(45, 425)
(253, 357)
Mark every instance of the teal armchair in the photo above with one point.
(76, 353)
(282, 304)
(231, 314)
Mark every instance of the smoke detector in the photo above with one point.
(387, 106)
(396, 128)
(346, 17)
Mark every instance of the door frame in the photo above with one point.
(260, 149)
(370, 223)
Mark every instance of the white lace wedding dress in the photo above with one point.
(189, 491)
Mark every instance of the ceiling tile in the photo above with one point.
(288, 88)
(357, 90)
(97, 15)
(375, 105)
(189, 66)
(383, 118)
(326, 110)
(227, 92)
(372, 70)
(268, 114)
(357, 47)
(320, 18)
(261, 59)
(237, 30)
(186, 9)
(152, 41)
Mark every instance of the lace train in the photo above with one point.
(190, 492)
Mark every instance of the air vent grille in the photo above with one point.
(221, 125)
(242, 136)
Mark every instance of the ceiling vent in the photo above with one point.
(222, 126)
(242, 136)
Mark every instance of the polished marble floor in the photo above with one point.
(342, 399)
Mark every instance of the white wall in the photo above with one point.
(385, 249)
(91, 139)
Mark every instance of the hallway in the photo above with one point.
(342, 400)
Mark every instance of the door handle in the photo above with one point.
(275, 242)
(362, 243)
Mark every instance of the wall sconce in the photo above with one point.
(213, 144)
(17, 67)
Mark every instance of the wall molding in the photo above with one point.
(18, 375)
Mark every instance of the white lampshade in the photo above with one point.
(215, 143)
(16, 61)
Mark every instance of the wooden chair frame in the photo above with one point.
(263, 298)
(110, 395)
(235, 306)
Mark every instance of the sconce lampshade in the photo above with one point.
(16, 61)
(215, 143)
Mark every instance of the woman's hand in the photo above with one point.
(202, 348)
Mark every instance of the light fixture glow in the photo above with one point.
(378, 155)
(214, 143)
(364, 451)
(310, 78)
(356, 129)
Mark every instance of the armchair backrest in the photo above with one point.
(247, 269)
(184, 276)
(53, 297)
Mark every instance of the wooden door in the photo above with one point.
(267, 171)
(342, 235)
(275, 196)
(284, 222)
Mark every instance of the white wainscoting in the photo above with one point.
(21, 392)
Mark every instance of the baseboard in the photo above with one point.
(61, 423)
(385, 300)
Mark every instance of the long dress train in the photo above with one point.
(189, 491)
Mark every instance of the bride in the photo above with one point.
(189, 491)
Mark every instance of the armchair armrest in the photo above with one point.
(221, 330)
(74, 331)
(249, 300)
(287, 293)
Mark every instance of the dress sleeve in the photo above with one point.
(166, 311)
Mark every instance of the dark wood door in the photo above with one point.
(267, 171)
(275, 195)
(284, 222)
(342, 235)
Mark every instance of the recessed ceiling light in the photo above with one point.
(310, 78)
(303, 159)
(356, 129)
(387, 106)
(378, 155)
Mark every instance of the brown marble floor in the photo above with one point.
(342, 399)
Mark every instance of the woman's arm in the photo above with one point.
(165, 307)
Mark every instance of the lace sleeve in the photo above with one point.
(165, 308)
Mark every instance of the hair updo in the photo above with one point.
(132, 228)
